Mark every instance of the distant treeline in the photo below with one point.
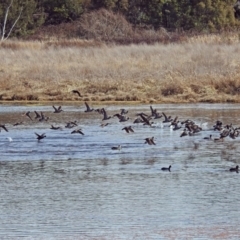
(198, 15)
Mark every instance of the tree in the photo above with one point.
(17, 17)
(237, 9)
(145, 12)
(4, 34)
(198, 15)
(63, 10)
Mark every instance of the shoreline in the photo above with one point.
(103, 102)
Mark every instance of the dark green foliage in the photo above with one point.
(145, 12)
(237, 9)
(59, 11)
(30, 18)
(199, 15)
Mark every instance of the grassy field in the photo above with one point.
(201, 69)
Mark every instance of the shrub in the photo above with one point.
(104, 25)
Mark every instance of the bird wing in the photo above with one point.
(104, 113)
(37, 114)
(130, 129)
(152, 111)
(3, 126)
(28, 114)
(165, 116)
(144, 118)
(77, 92)
(175, 119)
(80, 132)
(87, 106)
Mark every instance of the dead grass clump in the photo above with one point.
(131, 98)
(147, 36)
(104, 25)
(228, 86)
(17, 98)
(31, 97)
(50, 93)
(171, 89)
(86, 99)
(17, 45)
(77, 43)
(21, 97)
(120, 98)
(215, 38)
(107, 98)
(102, 86)
(60, 31)
(10, 45)
(208, 99)
(197, 88)
(188, 95)
(95, 98)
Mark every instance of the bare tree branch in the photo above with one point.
(14, 24)
(5, 22)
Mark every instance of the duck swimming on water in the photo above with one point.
(166, 169)
(234, 169)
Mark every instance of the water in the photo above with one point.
(70, 186)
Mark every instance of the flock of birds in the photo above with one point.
(188, 127)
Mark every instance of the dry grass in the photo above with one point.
(198, 70)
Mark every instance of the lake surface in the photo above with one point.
(73, 186)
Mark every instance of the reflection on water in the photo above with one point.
(70, 186)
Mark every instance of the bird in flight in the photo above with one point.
(57, 109)
(77, 92)
(40, 136)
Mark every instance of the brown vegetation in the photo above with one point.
(106, 26)
(198, 69)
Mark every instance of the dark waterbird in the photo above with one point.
(153, 111)
(166, 119)
(138, 120)
(77, 131)
(104, 124)
(17, 123)
(128, 129)
(150, 141)
(77, 92)
(55, 128)
(234, 169)
(146, 120)
(121, 118)
(57, 110)
(37, 115)
(166, 169)
(88, 109)
(28, 115)
(184, 133)
(119, 147)
(40, 136)
(105, 116)
(43, 117)
(70, 125)
(123, 111)
(208, 138)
